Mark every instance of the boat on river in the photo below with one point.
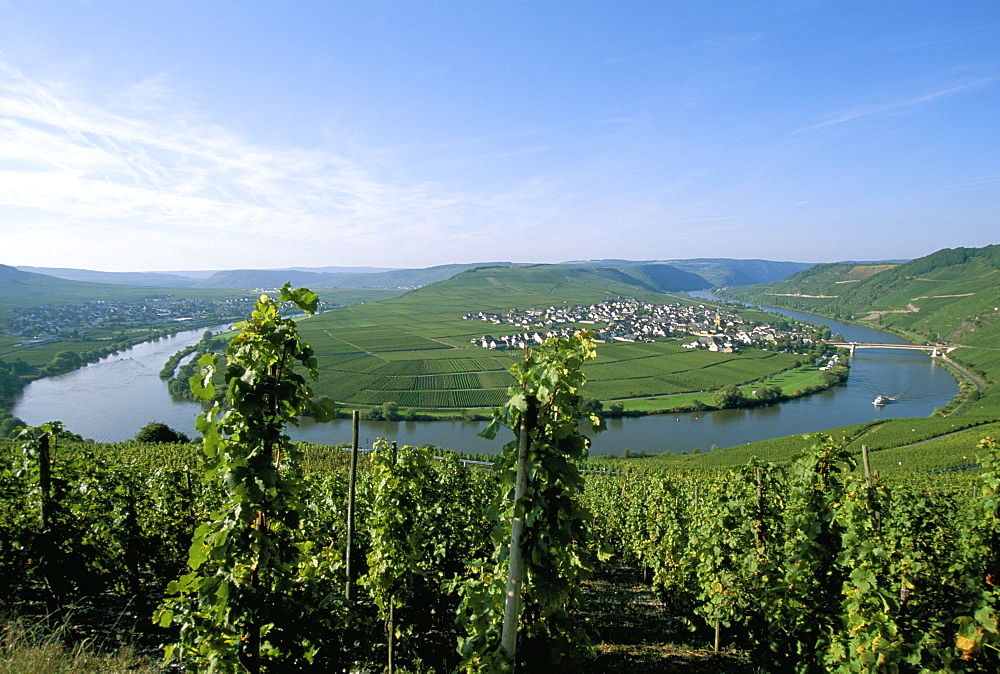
(881, 400)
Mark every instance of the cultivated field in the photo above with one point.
(415, 350)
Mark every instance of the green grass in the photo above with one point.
(397, 350)
(895, 445)
(37, 649)
(951, 296)
(413, 350)
(21, 290)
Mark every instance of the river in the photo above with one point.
(109, 401)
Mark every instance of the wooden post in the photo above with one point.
(718, 635)
(515, 565)
(868, 469)
(351, 481)
(759, 533)
(190, 493)
(391, 623)
(392, 634)
(44, 481)
(132, 559)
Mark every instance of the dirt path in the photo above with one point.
(637, 633)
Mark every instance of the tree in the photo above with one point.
(10, 426)
(729, 396)
(64, 361)
(835, 375)
(770, 394)
(390, 411)
(155, 431)
(590, 405)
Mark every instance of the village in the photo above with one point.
(48, 323)
(631, 320)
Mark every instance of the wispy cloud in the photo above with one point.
(902, 105)
(131, 162)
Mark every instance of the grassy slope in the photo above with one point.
(951, 295)
(379, 352)
(19, 289)
(414, 350)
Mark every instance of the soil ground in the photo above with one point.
(637, 633)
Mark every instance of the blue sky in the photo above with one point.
(162, 135)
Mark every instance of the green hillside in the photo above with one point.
(951, 296)
(667, 278)
(21, 289)
(895, 445)
(933, 294)
(155, 279)
(51, 325)
(728, 272)
(395, 278)
(811, 289)
(415, 351)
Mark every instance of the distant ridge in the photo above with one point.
(25, 288)
(717, 271)
(665, 277)
(319, 277)
(343, 270)
(950, 295)
(156, 279)
(398, 278)
(669, 275)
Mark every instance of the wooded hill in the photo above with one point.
(694, 274)
(951, 296)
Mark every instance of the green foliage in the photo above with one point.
(428, 522)
(817, 568)
(10, 426)
(738, 552)
(64, 361)
(13, 378)
(159, 432)
(258, 596)
(729, 396)
(767, 395)
(978, 565)
(835, 375)
(806, 567)
(545, 408)
(73, 527)
(813, 578)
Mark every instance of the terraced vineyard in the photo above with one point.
(415, 350)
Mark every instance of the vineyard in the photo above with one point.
(803, 568)
(400, 351)
(250, 553)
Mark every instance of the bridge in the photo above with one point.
(935, 349)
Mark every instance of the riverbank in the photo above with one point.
(973, 382)
(111, 401)
(16, 376)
